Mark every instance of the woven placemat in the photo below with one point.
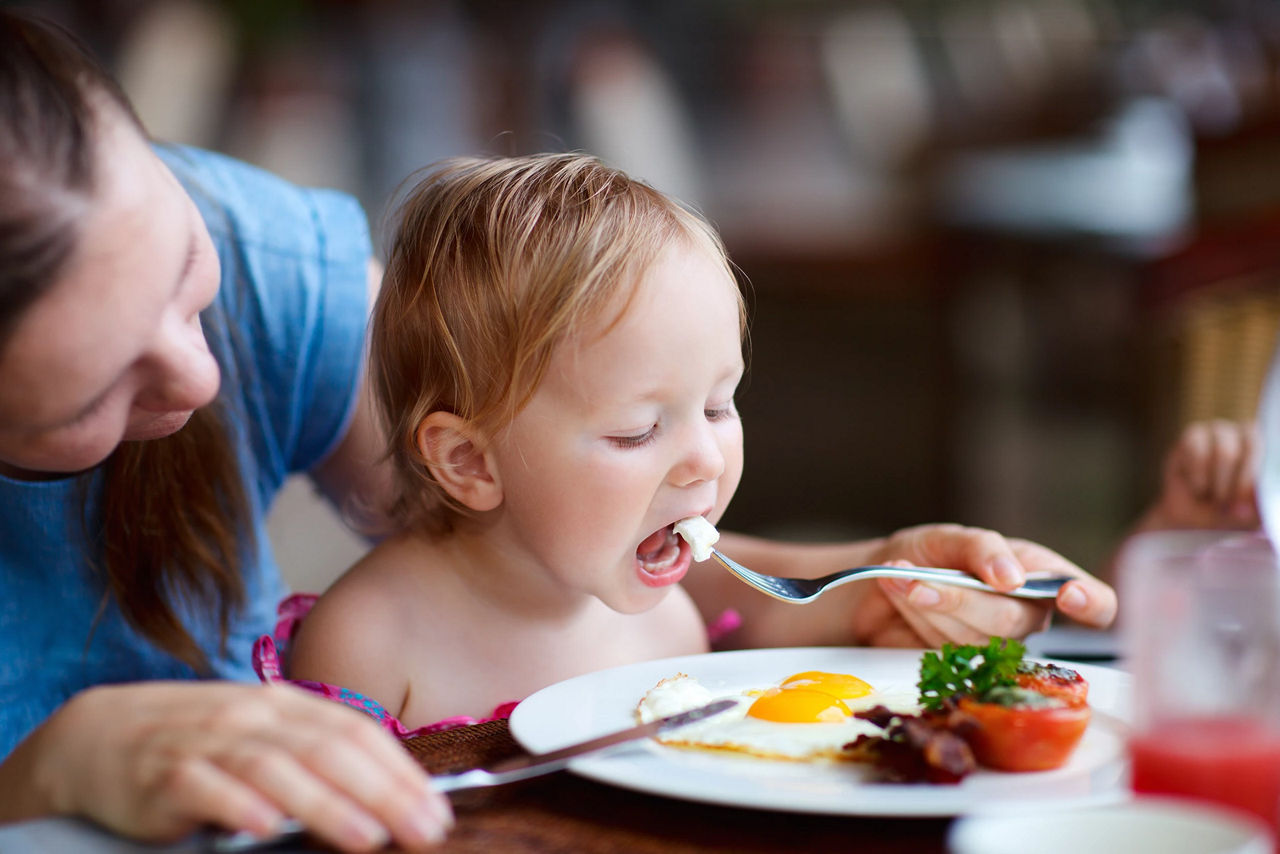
(463, 747)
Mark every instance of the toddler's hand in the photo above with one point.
(1210, 475)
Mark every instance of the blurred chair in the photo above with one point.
(177, 64)
(1214, 307)
(628, 111)
(879, 83)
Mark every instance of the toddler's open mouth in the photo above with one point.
(662, 557)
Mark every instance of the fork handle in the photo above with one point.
(1045, 587)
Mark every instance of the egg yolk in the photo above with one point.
(799, 706)
(839, 685)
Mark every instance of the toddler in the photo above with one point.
(554, 353)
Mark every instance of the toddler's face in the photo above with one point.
(628, 433)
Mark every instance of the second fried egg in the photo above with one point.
(807, 716)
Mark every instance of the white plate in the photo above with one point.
(1144, 824)
(601, 702)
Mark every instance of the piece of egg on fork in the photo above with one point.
(700, 534)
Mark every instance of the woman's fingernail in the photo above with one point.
(427, 827)
(265, 822)
(1073, 599)
(1008, 572)
(901, 586)
(360, 831)
(438, 806)
(924, 596)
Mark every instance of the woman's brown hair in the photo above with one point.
(172, 522)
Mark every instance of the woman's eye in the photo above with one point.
(635, 441)
(88, 412)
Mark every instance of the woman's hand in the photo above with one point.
(891, 612)
(914, 613)
(157, 760)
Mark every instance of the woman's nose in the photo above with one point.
(702, 460)
(184, 375)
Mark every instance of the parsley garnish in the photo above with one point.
(954, 670)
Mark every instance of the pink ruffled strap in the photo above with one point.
(291, 610)
(266, 660)
(267, 664)
(728, 622)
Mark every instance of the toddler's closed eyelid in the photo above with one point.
(719, 413)
(636, 440)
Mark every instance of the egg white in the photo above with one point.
(734, 731)
(700, 534)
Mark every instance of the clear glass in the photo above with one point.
(1201, 617)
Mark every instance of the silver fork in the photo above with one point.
(798, 590)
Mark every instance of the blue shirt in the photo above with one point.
(288, 329)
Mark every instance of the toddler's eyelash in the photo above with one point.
(635, 441)
(721, 413)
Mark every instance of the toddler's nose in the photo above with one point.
(703, 459)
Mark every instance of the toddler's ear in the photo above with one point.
(457, 458)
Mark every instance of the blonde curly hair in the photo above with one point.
(493, 263)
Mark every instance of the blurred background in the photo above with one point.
(997, 252)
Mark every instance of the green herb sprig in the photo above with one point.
(967, 669)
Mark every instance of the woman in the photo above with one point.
(178, 333)
(154, 565)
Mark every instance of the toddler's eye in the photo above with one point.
(635, 441)
(720, 413)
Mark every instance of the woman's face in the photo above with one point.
(113, 351)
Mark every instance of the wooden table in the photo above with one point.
(566, 813)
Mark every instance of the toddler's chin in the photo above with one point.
(638, 602)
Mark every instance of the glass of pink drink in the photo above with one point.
(1201, 614)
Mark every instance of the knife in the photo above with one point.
(507, 771)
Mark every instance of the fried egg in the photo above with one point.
(805, 717)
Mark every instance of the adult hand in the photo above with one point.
(157, 760)
(914, 613)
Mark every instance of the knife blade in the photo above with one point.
(507, 771)
(524, 767)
